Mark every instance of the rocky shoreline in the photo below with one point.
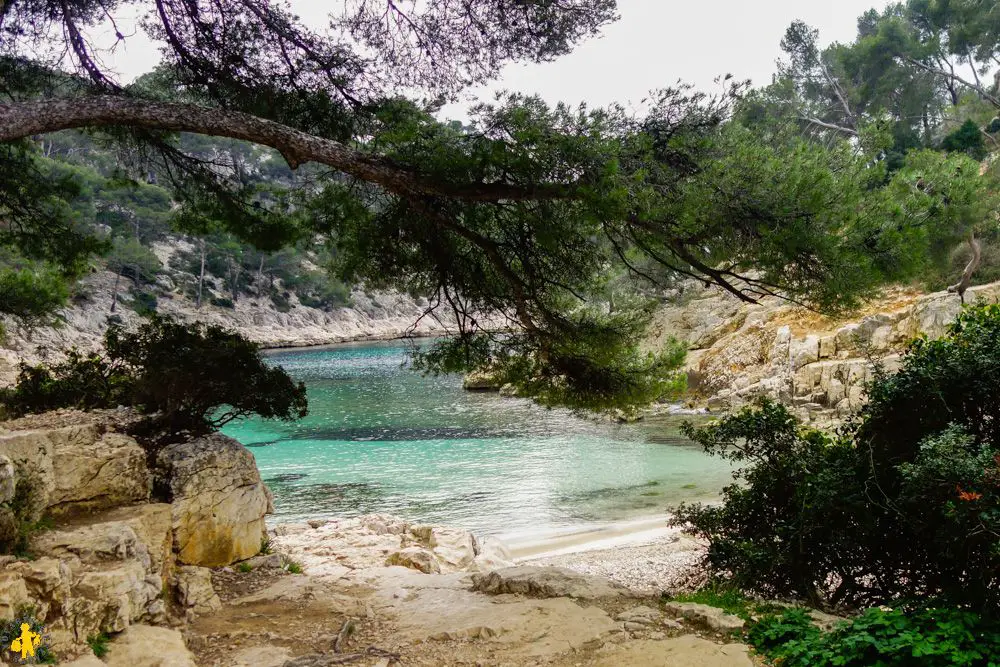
(166, 562)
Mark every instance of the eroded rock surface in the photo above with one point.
(218, 500)
(547, 582)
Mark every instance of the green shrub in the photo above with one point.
(99, 644)
(222, 302)
(966, 139)
(144, 303)
(244, 567)
(19, 518)
(902, 504)
(885, 637)
(184, 377)
(81, 381)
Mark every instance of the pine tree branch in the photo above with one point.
(25, 119)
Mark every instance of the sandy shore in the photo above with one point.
(645, 554)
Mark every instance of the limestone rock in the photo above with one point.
(453, 548)
(218, 500)
(149, 646)
(546, 582)
(712, 618)
(686, 650)
(416, 558)
(85, 660)
(480, 380)
(7, 481)
(493, 555)
(193, 586)
(109, 472)
(640, 615)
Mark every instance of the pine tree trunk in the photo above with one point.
(201, 275)
(114, 292)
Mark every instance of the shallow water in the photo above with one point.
(383, 438)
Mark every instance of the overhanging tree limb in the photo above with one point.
(25, 119)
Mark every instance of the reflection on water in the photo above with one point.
(381, 438)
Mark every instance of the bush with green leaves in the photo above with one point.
(928, 637)
(902, 504)
(183, 377)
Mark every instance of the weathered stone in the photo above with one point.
(642, 615)
(265, 561)
(415, 558)
(453, 548)
(546, 582)
(480, 380)
(685, 651)
(193, 586)
(8, 483)
(218, 500)
(803, 352)
(149, 646)
(712, 618)
(108, 472)
(493, 555)
(85, 660)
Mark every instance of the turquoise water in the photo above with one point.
(383, 438)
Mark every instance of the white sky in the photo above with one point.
(655, 44)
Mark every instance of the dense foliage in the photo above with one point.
(929, 637)
(903, 503)
(526, 218)
(183, 377)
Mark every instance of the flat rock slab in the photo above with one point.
(519, 627)
(712, 618)
(685, 651)
(547, 582)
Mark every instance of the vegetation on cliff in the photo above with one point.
(184, 378)
(526, 218)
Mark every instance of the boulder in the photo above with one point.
(546, 582)
(493, 555)
(149, 646)
(193, 586)
(453, 548)
(218, 500)
(109, 472)
(415, 558)
(711, 618)
(480, 380)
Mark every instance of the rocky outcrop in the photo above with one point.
(109, 561)
(371, 316)
(817, 365)
(77, 468)
(98, 576)
(333, 548)
(149, 646)
(546, 582)
(217, 498)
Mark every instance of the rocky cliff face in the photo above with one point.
(371, 316)
(116, 556)
(815, 364)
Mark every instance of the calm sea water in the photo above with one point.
(383, 438)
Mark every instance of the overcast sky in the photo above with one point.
(656, 43)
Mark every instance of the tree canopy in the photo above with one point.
(514, 224)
